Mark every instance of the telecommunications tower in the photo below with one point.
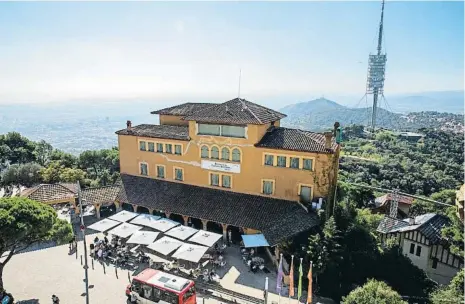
(376, 72)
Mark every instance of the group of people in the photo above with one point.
(100, 249)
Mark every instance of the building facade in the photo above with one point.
(233, 151)
(420, 240)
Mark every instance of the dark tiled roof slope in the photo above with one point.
(388, 224)
(50, 192)
(184, 109)
(101, 195)
(295, 140)
(432, 228)
(158, 131)
(277, 219)
(236, 111)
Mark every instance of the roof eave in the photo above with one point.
(295, 150)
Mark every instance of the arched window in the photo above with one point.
(236, 155)
(204, 152)
(225, 153)
(215, 153)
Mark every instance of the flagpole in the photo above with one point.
(280, 277)
(291, 273)
(299, 289)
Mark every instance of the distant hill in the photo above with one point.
(445, 101)
(320, 114)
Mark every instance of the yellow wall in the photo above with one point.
(252, 168)
(172, 120)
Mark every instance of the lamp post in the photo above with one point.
(266, 290)
(83, 229)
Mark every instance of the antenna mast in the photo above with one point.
(376, 72)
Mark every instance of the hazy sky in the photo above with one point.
(60, 51)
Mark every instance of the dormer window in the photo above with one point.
(221, 130)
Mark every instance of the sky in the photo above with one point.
(60, 51)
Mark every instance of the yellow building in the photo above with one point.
(228, 165)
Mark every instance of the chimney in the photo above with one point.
(129, 125)
(328, 137)
(411, 221)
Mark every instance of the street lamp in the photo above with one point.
(83, 230)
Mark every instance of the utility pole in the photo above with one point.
(83, 229)
(376, 72)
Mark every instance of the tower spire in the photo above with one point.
(376, 71)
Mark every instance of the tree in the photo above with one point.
(52, 173)
(71, 175)
(373, 292)
(65, 159)
(453, 293)
(324, 248)
(454, 232)
(43, 151)
(21, 149)
(24, 222)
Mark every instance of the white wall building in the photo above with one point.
(421, 241)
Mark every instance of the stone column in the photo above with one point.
(167, 214)
(204, 224)
(118, 206)
(134, 208)
(97, 210)
(151, 211)
(225, 232)
(186, 220)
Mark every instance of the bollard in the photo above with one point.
(129, 277)
(116, 272)
(81, 259)
(92, 264)
(76, 252)
(103, 264)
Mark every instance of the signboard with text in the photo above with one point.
(220, 166)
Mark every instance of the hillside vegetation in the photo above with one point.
(320, 114)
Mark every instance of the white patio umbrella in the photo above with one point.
(125, 230)
(123, 216)
(190, 252)
(143, 237)
(181, 232)
(104, 225)
(205, 238)
(146, 220)
(164, 224)
(165, 245)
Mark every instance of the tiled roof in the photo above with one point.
(295, 140)
(430, 225)
(50, 192)
(277, 219)
(158, 131)
(388, 197)
(184, 109)
(101, 195)
(236, 111)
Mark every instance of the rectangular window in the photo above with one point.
(160, 147)
(214, 179)
(269, 160)
(160, 171)
(418, 250)
(307, 164)
(267, 187)
(151, 147)
(305, 194)
(177, 149)
(169, 148)
(206, 129)
(178, 174)
(412, 248)
(435, 263)
(233, 131)
(142, 146)
(295, 162)
(143, 169)
(281, 161)
(226, 181)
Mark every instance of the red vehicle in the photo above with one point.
(155, 286)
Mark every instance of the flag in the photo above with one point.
(299, 290)
(291, 278)
(310, 281)
(280, 275)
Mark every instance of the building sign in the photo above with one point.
(219, 166)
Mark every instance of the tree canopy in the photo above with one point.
(453, 293)
(24, 222)
(373, 292)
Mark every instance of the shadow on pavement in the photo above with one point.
(31, 301)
